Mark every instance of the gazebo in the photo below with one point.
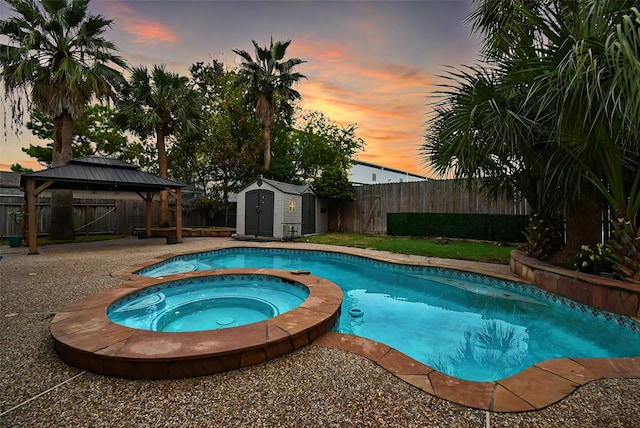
(100, 174)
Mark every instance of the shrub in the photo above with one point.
(592, 261)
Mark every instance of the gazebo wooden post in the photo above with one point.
(32, 231)
(178, 196)
(148, 200)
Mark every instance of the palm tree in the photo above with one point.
(585, 92)
(269, 81)
(479, 133)
(570, 69)
(57, 55)
(159, 103)
(596, 111)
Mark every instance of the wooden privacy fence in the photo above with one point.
(94, 216)
(368, 213)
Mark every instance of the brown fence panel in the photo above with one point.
(368, 213)
(7, 224)
(95, 216)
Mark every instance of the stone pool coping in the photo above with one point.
(537, 387)
(608, 294)
(534, 388)
(86, 338)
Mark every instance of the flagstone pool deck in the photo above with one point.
(597, 387)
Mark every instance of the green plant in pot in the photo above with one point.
(16, 240)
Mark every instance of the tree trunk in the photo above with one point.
(164, 172)
(266, 145)
(584, 227)
(265, 114)
(225, 200)
(61, 225)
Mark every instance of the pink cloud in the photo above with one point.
(145, 30)
(317, 51)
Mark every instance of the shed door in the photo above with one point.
(308, 213)
(258, 220)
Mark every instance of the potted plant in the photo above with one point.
(16, 240)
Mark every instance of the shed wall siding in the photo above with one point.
(278, 206)
(288, 216)
(240, 213)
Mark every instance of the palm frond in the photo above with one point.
(58, 45)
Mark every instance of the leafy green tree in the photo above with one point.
(557, 97)
(269, 82)
(325, 153)
(55, 54)
(222, 157)
(94, 133)
(334, 185)
(159, 103)
(314, 142)
(16, 167)
(321, 143)
(285, 150)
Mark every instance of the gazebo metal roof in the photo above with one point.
(98, 173)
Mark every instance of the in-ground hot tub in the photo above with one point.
(208, 303)
(86, 337)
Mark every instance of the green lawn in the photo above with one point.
(455, 249)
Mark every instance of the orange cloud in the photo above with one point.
(317, 51)
(145, 30)
(386, 101)
(29, 163)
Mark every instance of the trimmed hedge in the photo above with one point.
(486, 227)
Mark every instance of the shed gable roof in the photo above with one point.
(293, 189)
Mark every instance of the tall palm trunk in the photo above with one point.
(625, 249)
(164, 173)
(266, 146)
(61, 223)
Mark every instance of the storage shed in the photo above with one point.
(272, 209)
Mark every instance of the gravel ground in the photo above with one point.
(311, 387)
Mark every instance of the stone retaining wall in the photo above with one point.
(611, 295)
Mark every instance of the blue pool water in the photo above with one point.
(465, 325)
(207, 303)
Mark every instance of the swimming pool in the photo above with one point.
(466, 325)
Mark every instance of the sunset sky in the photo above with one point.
(372, 63)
